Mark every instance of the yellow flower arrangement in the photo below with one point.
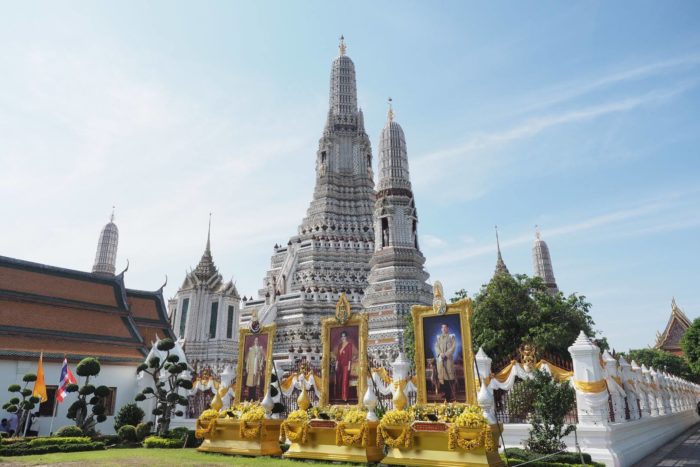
(396, 417)
(355, 416)
(253, 414)
(471, 417)
(298, 416)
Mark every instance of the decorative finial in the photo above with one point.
(341, 46)
(111, 218)
(390, 113)
(498, 243)
(209, 234)
(537, 232)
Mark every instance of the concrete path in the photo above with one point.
(682, 451)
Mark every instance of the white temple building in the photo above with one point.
(205, 312)
(542, 263)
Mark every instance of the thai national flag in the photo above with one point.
(66, 379)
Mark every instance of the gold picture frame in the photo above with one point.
(344, 318)
(463, 309)
(267, 330)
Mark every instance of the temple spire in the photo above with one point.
(390, 113)
(106, 257)
(206, 267)
(208, 247)
(542, 262)
(501, 267)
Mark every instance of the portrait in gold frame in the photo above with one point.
(269, 332)
(344, 319)
(441, 311)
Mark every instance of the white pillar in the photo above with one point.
(485, 396)
(638, 379)
(618, 398)
(592, 408)
(630, 388)
(651, 392)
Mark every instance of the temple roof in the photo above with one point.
(670, 339)
(501, 267)
(63, 311)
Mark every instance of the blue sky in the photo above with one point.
(581, 117)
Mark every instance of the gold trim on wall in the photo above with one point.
(361, 320)
(464, 309)
(269, 330)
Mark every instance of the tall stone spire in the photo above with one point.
(501, 267)
(542, 262)
(331, 251)
(397, 279)
(106, 257)
(206, 268)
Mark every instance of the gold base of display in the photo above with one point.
(430, 449)
(225, 438)
(320, 445)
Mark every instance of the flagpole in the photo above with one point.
(55, 400)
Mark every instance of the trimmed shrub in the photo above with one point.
(57, 441)
(127, 433)
(108, 440)
(162, 443)
(49, 445)
(129, 414)
(68, 431)
(143, 430)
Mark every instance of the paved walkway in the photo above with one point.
(682, 451)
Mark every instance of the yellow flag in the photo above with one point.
(40, 385)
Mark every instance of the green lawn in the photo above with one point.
(153, 457)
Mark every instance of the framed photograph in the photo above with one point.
(444, 354)
(344, 360)
(254, 363)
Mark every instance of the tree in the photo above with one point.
(89, 409)
(661, 360)
(460, 294)
(551, 402)
(512, 311)
(24, 406)
(690, 343)
(129, 414)
(167, 381)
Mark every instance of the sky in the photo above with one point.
(579, 117)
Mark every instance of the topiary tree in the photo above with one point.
(89, 409)
(551, 402)
(24, 404)
(69, 431)
(129, 414)
(127, 433)
(167, 380)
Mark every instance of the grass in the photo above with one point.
(153, 457)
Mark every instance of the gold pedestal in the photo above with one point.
(430, 448)
(321, 444)
(225, 438)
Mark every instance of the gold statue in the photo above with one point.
(439, 303)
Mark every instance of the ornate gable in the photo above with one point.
(670, 339)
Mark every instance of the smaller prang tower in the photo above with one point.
(542, 263)
(205, 312)
(397, 279)
(501, 267)
(106, 257)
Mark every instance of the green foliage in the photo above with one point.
(129, 414)
(127, 433)
(55, 440)
(14, 388)
(691, 347)
(459, 295)
(29, 378)
(48, 445)
(24, 405)
(512, 311)
(551, 402)
(88, 367)
(409, 339)
(72, 388)
(565, 459)
(143, 430)
(69, 431)
(89, 409)
(165, 345)
(661, 360)
(159, 442)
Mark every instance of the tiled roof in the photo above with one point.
(66, 311)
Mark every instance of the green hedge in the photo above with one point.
(23, 449)
(57, 441)
(158, 442)
(562, 458)
(69, 430)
